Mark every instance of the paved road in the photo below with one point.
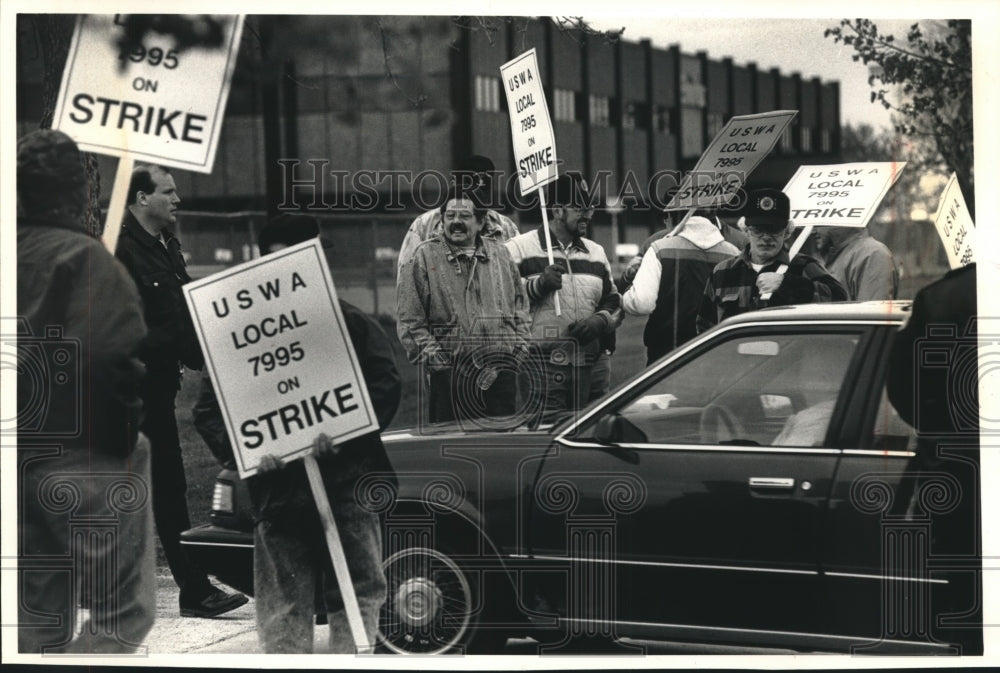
(236, 633)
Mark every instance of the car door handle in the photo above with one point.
(772, 483)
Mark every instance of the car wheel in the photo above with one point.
(431, 606)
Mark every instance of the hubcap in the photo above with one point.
(418, 601)
(430, 603)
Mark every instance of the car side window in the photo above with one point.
(891, 432)
(776, 389)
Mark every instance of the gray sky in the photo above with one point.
(793, 45)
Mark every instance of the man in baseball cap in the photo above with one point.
(763, 275)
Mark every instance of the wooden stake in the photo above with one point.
(548, 241)
(116, 208)
(340, 569)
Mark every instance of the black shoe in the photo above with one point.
(215, 604)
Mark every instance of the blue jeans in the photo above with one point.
(292, 567)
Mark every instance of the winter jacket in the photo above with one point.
(935, 399)
(731, 234)
(586, 288)
(287, 490)
(669, 284)
(450, 303)
(428, 225)
(79, 330)
(160, 272)
(732, 287)
(865, 267)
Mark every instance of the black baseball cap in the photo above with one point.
(767, 209)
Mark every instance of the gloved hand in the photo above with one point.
(269, 463)
(439, 361)
(324, 446)
(629, 274)
(586, 330)
(551, 278)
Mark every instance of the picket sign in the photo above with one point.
(284, 370)
(955, 226)
(724, 166)
(153, 103)
(840, 195)
(531, 134)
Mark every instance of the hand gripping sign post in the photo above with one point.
(154, 103)
(728, 160)
(837, 195)
(532, 134)
(955, 226)
(280, 357)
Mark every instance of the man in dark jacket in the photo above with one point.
(933, 382)
(291, 561)
(764, 275)
(85, 531)
(153, 257)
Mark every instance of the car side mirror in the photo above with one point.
(609, 429)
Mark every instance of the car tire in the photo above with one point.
(433, 606)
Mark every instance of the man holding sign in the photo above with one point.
(741, 284)
(292, 565)
(581, 278)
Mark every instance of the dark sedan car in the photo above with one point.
(754, 487)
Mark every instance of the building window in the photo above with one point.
(564, 105)
(692, 132)
(805, 140)
(487, 93)
(825, 145)
(628, 116)
(785, 144)
(600, 111)
(714, 120)
(661, 119)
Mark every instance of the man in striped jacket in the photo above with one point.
(567, 344)
(763, 275)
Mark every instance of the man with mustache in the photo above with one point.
(763, 275)
(152, 255)
(474, 172)
(462, 316)
(569, 344)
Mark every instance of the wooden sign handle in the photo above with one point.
(794, 250)
(116, 208)
(340, 569)
(548, 241)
